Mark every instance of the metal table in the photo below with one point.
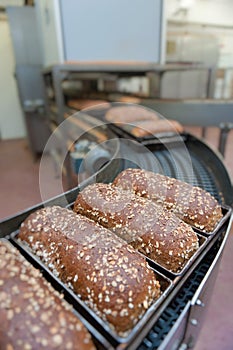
(97, 70)
(198, 113)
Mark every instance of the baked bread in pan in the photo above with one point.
(151, 127)
(102, 269)
(192, 204)
(32, 314)
(129, 114)
(150, 229)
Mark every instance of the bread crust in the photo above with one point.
(191, 204)
(105, 272)
(33, 315)
(155, 232)
(129, 114)
(150, 127)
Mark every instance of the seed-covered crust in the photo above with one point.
(32, 314)
(191, 204)
(155, 232)
(104, 271)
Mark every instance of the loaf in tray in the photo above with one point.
(130, 114)
(155, 232)
(151, 127)
(192, 204)
(32, 314)
(104, 271)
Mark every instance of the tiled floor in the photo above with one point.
(19, 189)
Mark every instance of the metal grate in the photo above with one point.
(179, 167)
(164, 324)
(178, 163)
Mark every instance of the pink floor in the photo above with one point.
(19, 189)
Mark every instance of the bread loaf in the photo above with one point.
(150, 127)
(106, 273)
(192, 204)
(129, 114)
(32, 314)
(155, 232)
(81, 104)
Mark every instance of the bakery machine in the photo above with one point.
(175, 320)
(28, 66)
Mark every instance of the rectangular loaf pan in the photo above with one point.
(206, 241)
(226, 211)
(203, 238)
(166, 137)
(79, 305)
(173, 275)
(100, 342)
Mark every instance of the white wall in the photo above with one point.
(11, 116)
(199, 18)
(217, 12)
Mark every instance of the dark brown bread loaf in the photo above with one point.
(151, 127)
(112, 278)
(129, 114)
(191, 204)
(157, 233)
(32, 314)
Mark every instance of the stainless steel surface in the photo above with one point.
(32, 97)
(24, 32)
(122, 67)
(186, 84)
(30, 84)
(225, 128)
(186, 43)
(37, 130)
(114, 32)
(196, 112)
(200, 299)
(177, 332)
(154, 72)
(193, 112)
(28, 59)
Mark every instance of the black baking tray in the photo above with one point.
(169, 284)
(209, 173)
(167, 279)
(176, 283)
(173, 275)
(190, 160)
(100, 342)
(226, 211)
(124, 131)
(204, 239)
(79, 305)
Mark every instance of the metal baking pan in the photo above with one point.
(204, 240)
(124, 131)
(173, 275)
(79, 305)
(174, 288)
(168, 281)
(226, 211)
(100, 342)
